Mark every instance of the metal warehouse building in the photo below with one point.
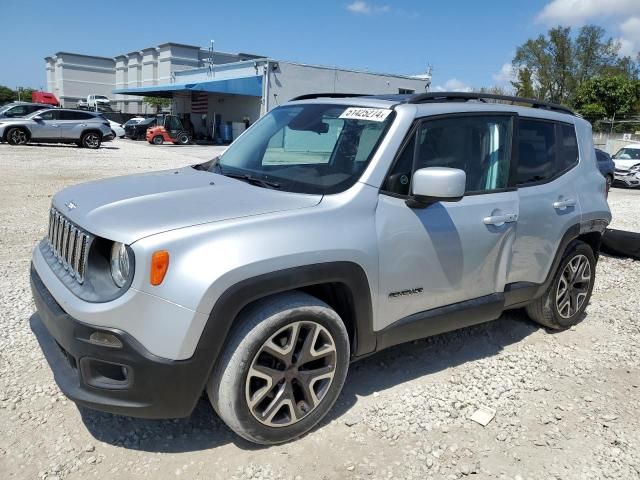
(210, 88)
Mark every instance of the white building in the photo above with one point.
(211, 88)
(240, 92)
(73, 76)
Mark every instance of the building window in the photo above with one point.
(406, 91)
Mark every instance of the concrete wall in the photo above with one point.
(289, 80)
(72, 77)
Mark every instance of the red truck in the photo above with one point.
(45, 97)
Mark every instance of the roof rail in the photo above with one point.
(310, 96)
(434, 97)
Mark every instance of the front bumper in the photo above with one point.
(629, 178)
(126, 380)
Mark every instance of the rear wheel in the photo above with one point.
(282, 368)
(17, 136)
(565, 300)
(183, 139)
(91, 140)
(158, 140)
(609, 182)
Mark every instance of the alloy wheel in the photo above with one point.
(291, 374)
(92, 140)
(18, 137)
(573, 286)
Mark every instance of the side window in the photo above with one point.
(568, 147)
(536, 151)
(50, 115)
(480, 145)
(18, 111)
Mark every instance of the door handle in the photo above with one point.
(562, 204)
(499, 220)
(54, 125)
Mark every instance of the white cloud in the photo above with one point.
(365, 8)
(452, 85)
(576, 12)
(630, 40)
(505, 75)
(626, 13)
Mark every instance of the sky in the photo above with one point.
(468, 43)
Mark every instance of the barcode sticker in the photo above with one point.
(373, 114)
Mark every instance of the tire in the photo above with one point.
(91, 140)
(17, 136)
(609, 179)
(551, 309)
(247, 400)
(183, 139)
(157, 140)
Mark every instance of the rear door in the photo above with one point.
(546, 178)
(72, 123)
(449, 252)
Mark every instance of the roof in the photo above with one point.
(249, 86)
(440, 98)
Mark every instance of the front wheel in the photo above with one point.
(157, 140)
(91, 140)
(17, 136)
(565, 300)
(282, 369)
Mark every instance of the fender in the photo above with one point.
(234, 299)
(518, 294)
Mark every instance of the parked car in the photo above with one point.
(46, 98)
(627, 162)
(138, 130)
(171, 130)
(606, 166)
(93, 102)
(132, 121)
(331, 229)
(20, 109)
(87, 129)
(117, 129)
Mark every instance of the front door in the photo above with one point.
(47, 127)
(448, 252)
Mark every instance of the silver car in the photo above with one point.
(57, 125)
(331, 229)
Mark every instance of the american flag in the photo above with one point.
(199, 102)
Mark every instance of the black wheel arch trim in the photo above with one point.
(226, 309)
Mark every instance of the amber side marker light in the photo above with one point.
(159, 266)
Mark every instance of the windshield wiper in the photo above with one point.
(261, 182)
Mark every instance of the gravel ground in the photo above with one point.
(567, 403)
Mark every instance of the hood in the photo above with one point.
(126, 209)
(625, 164)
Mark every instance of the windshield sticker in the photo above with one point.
(372, 114)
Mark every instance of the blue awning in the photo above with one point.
(251, 86)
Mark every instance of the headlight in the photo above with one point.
(120, 266)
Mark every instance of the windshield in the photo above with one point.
(308, 148)
(101, 97)
(628, 154)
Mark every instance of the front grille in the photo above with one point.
(69, 244)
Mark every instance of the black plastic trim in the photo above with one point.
(441, 319)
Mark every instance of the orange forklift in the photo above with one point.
(171, 130)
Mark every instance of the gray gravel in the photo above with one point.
(566, 404)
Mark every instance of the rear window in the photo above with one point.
(537, 151)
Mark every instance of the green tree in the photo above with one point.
(607, 97)
(6, 95)
(158, 103)
(559, 63)
(24, 93)
(523, 84)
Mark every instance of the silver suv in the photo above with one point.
(333, 228)
(57, 125)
